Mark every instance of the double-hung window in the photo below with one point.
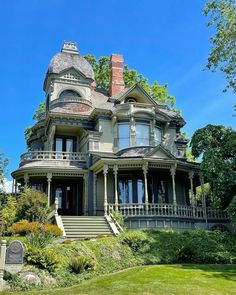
(123, 131)
(157, 135)
(142, 134)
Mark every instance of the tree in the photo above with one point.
(102, 76)
(216, 145)
(222, 15)
(3, 164)
(231, 210)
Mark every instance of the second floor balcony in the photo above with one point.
(53, 156)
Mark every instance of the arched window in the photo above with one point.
(69, 94)
(130, 99)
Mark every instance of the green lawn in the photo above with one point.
(158, 279)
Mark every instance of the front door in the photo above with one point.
(64, 194)
(69, 195)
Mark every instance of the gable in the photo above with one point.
(160, 153)
(73, 75)
(138, 93)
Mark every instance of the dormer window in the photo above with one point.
(69, 94)
(130, 100)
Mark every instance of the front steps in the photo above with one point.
(82, 227)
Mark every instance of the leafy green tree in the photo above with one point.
(3, 164)
(222, 16)
(9, 212)
(216, 145)
(231, 210)
(32, 205)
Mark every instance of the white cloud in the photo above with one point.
(7, 185)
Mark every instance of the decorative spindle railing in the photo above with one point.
(52, 155)
(166, 210)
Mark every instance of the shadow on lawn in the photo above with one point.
(225, 271)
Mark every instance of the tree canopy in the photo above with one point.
(222, 56)
(3, 164)
(216, 145)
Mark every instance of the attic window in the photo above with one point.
(130, 99)
(69, 94)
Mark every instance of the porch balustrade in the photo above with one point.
(166, 210)
(52, 155)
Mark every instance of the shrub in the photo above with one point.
(118, 217)
(136, 240)
(38, 239)
(44, 258)
(52, 229)
(23, 227)
(81, 263)
(9, 212)
(32, 205)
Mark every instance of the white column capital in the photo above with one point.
(191, 174)
(115, 169)
(173, 169)
(145, 167)
(105, 169)
(49, 177)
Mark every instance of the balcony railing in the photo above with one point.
(52, 155)
(167, 210)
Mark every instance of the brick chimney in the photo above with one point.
(116, 74)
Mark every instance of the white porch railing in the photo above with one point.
(166, 210)
(52, 155)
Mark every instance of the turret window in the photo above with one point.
(69, 94)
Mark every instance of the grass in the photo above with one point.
(157, 279)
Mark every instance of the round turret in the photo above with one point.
(69, 57)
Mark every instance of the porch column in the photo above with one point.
(145, 171)
(190, 176)
(201, 178)
(26, 179)
(115, 171)
(173, 172)
(85, 178)
(105, 171)
(94, 193)
(49, 179)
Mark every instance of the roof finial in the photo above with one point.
(69, 47)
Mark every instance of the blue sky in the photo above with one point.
(165, 40)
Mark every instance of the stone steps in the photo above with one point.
(81, 227)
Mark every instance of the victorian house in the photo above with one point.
(96, 151)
